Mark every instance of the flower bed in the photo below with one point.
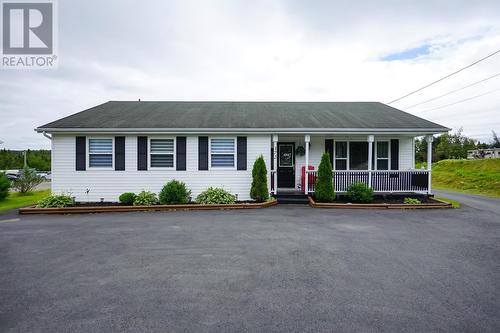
(382, 203)
(116, 207)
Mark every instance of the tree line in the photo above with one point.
(14, 159)
(451, 146)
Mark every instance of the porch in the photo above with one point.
(391, 168)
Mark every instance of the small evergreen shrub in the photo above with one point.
(360, 192)
(324, 182)
(259, 190)
(27, 180)
(174, 192)
(56, 201)
(145, 198)
(127, 198)
(412, 201)
(4, 186)
(215, 195)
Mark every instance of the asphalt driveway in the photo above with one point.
(281, 269)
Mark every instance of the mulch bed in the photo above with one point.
(103, 207)
(387, 202)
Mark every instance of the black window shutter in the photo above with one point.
(142, 153)
(180, 151)
(329, 149)
(203, 153)
(81, 153)
(395, 154)
(242, 152)
(119, 153)
(272, 157)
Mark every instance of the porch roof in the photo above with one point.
(115, 116)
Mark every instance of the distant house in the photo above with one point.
(483, 153)
(129, 146)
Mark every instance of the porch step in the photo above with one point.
(291, 198)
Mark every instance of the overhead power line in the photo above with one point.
(461, 101)
(453, 91)
(445, 77)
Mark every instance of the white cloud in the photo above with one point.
(262, 50)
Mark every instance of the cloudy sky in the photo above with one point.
(263, 51)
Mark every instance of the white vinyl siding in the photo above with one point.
(222, 153)
(100, 152)
(161, 153)
(109, 184)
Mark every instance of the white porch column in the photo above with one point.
(275, 162)
(429, 139)
(370, 140)
(307, 139)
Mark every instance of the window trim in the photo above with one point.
(87, 148)
(334, 166)
(235, 153)
(150, 160)
(388, 158)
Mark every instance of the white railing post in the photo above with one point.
(370, 140)
(429, 139)
(275, 162)
(307, 139)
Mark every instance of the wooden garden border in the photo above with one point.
(437, 205)
(115, 209)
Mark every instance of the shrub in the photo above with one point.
(56, 201)
(324, 183)
(127, 198)
(412, 201)
(145, 198)
(4, 186)
(174, 192)
(27, 180)
(360, 192)
(259, 191)
(215, 195)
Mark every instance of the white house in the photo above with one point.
(122, 146)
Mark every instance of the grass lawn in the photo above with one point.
(468, 176)
(16, 200)
(454, 203)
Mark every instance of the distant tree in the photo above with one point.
(13, 159)
(496, 140)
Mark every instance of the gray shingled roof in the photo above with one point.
(242, 115)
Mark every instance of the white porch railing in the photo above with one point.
(381, 181)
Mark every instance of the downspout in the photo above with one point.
(47, 136)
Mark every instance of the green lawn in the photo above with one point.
(468, 176)
(16, 200)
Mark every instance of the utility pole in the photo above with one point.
(25, 161)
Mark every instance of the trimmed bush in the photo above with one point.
(127, 198)
(4, 186)
(145, 198)
(174, 192)
(27, 180)
(360, 192)
(324, 182)
(412, 201)
(215, 195)
(56, 201)
(259, 191)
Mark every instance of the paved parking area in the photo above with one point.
(281, 269)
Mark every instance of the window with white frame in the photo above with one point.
(101, 153)
(382, 152)
(162, 153)
(222, 153)
(340, 155)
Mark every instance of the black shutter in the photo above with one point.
(81, 153)
(272, 157)
(242, 153)
(180, 151)
(119, 153)
(203, 153)
(329, 149)
(142, 153)
(395, 154)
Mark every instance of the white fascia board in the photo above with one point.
(328, 131)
